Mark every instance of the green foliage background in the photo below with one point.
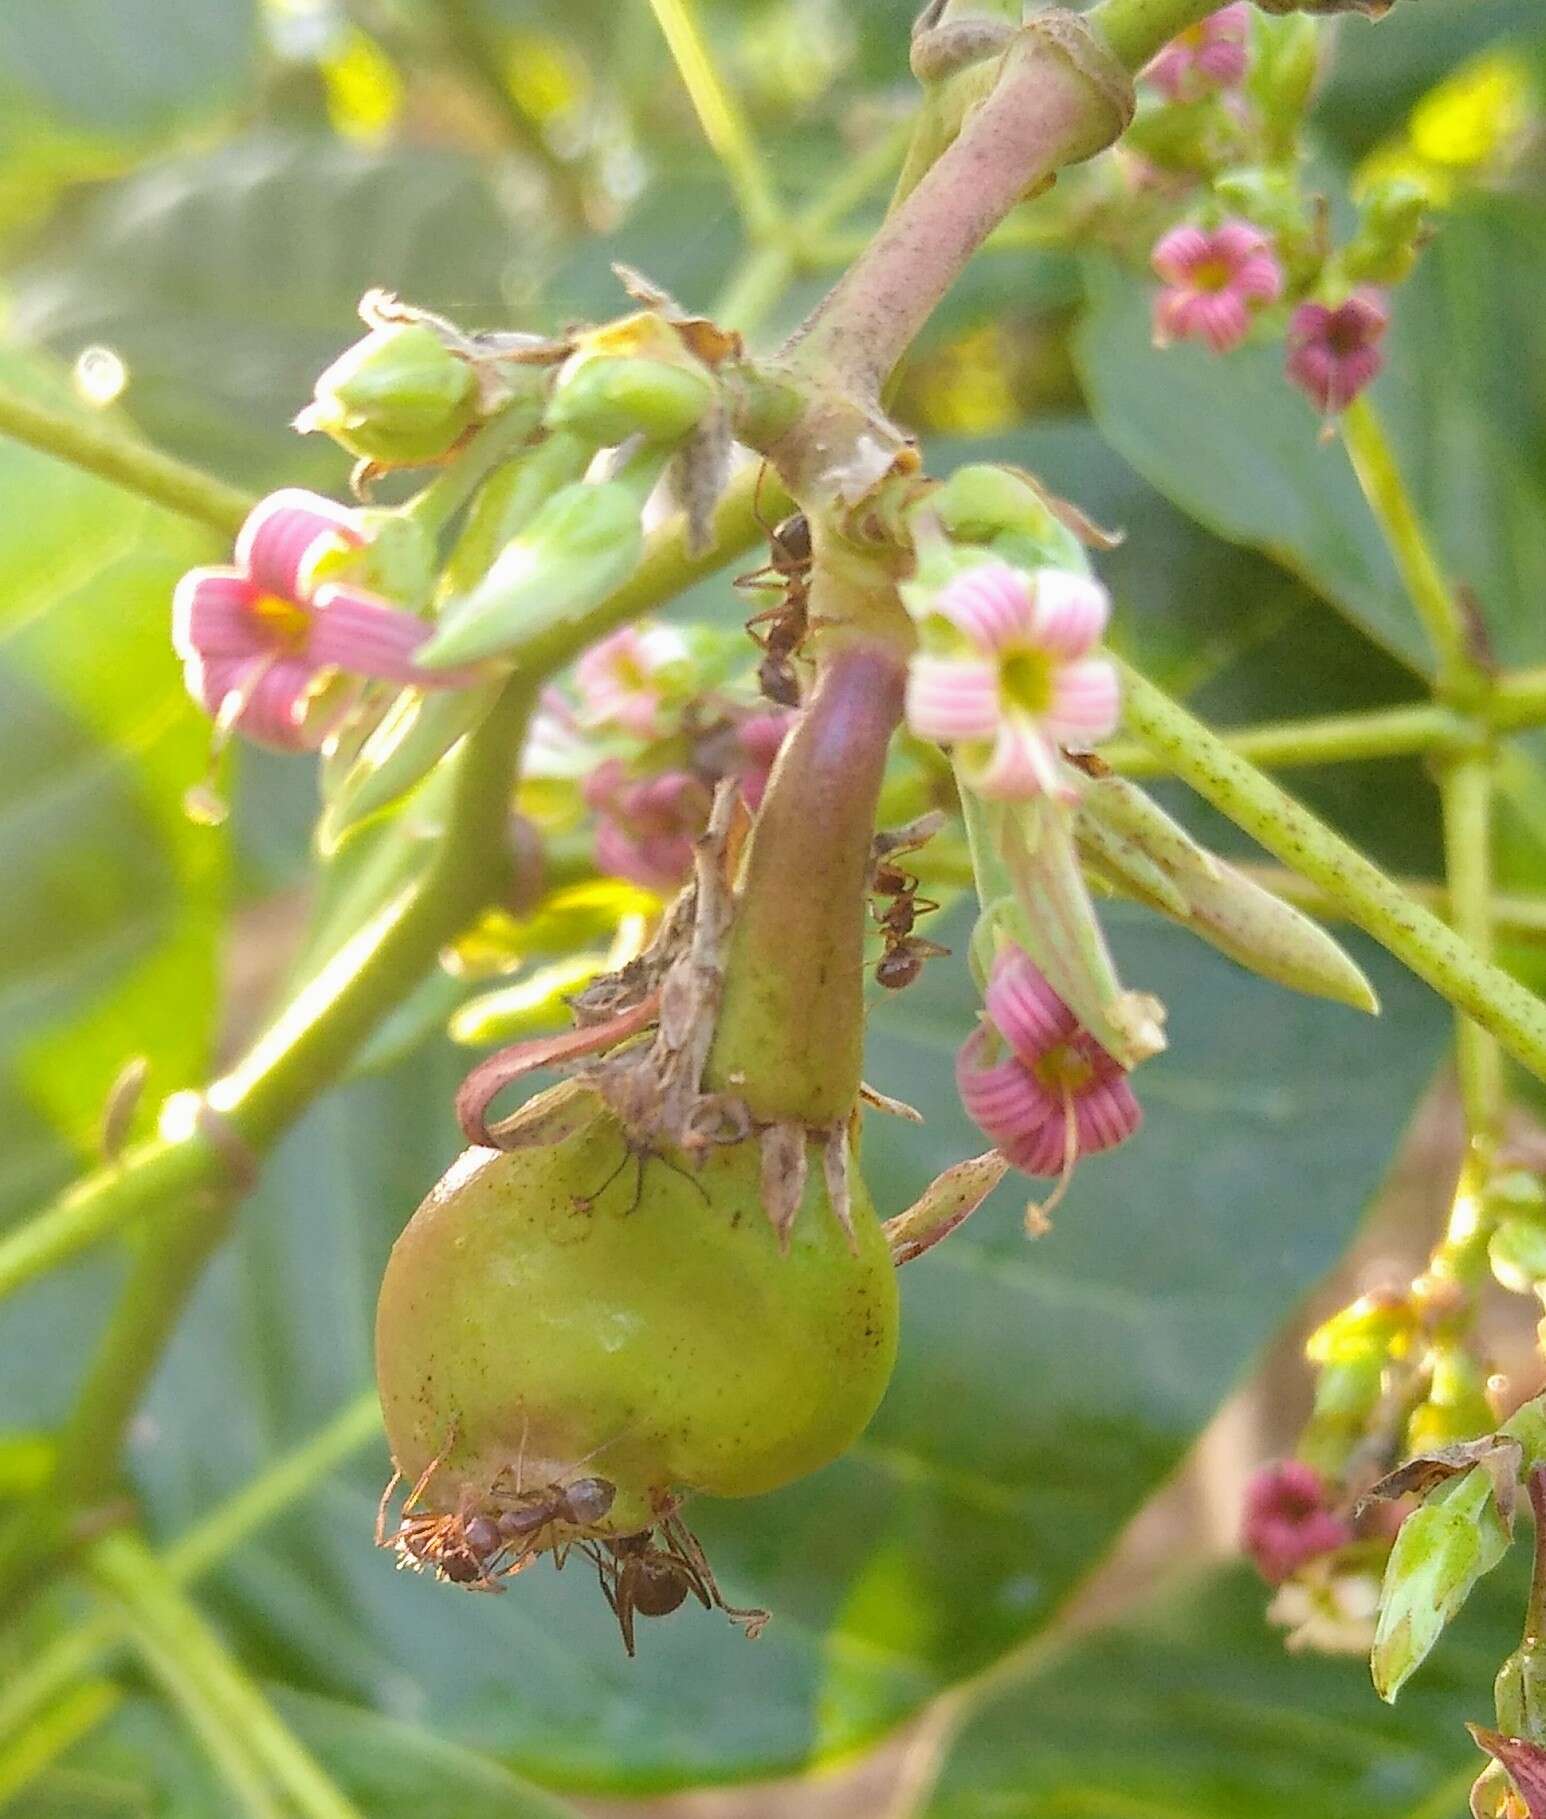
(175, 189)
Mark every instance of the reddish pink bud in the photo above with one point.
(1206, 57)
(645, 829)
(760, 737)
(1334, 353)
(1288, 1520)
(1215, 283)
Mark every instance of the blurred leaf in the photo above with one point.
(1043, 1392)
(226, 281)
(128, 68)
(1195, 1709)
(110, 916)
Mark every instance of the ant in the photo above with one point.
(645, 1577)
(790, 566)
(905, 952)
(476, 1548)
(641, 1154)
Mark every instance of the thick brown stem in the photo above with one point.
(791, 1028)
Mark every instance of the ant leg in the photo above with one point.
(585, 1202)
(429, 1471)
(381, 1508)
(677, 1169)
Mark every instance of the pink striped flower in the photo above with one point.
(619, 680)
(1206, 57)
(1215, 283)
(1006, 676)
(1334, 353)
(261, 641)
(646, 827)
(1288, 1520)
(1036, 1083)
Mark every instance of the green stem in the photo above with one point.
(132, 465)
(434, 507)
(1435, 601)
(1254, 802)
(720, 116)
(43, 1685)
(209, 1684)
(1518, 700)
(1466, 797)
(1390, 732)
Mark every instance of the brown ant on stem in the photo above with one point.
(652, 1574)
(905, 953)
(789, 566)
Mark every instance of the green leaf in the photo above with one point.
(109, 920)
(1194, 1710)
(227, 280)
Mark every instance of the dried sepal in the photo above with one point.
(1499, 1456)
(948, 1201)
(784, 1165)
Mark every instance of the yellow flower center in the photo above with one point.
(1211, 274)
(1064, 1070)
(284, 623)
(1026, 680)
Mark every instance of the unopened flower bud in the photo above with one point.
(608, 400)
(582, 543)
(1003, 511)
(398, 397)
(1513, 1786)
(1517, 1252)
(1443, 1549)
(1390, 231)
(1285, 60)
(1456, 1406)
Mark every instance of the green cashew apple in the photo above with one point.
(590, 1314)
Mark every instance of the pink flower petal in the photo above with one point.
(1219, 318)
(1024, 1008)
(1004, 1099)
(1070, 612)
(1106, 1113)
(1179, 252)
(357, 632)
(1260, 277)
(285, 536)
(1043, 1151)
(1023, 763)
(276, 707)
(951, 698)
(1086, 702)
(991, 604)
(211, 615)
(1237, 240)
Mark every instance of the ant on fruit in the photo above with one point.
(651, 1574)
(789, 549)
(905, 952)
(476, 1548)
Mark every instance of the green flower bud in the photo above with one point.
(1443, 1549)
(584, 541)
(1456, 1406)
(1520, 1692)
(1391, 230)
(607, 399)
(1373, 1326)
(580, 1306)
(1131, 838)
(398, 398)
(1007, 513)
(1195, 137)
(1346, 1396)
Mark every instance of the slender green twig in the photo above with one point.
(1466, 798)
(1389, 732)
(109, 453)
(1432, 597)
(232, 1717)
(719, 114)
(43, 1684)
(1413, 934)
